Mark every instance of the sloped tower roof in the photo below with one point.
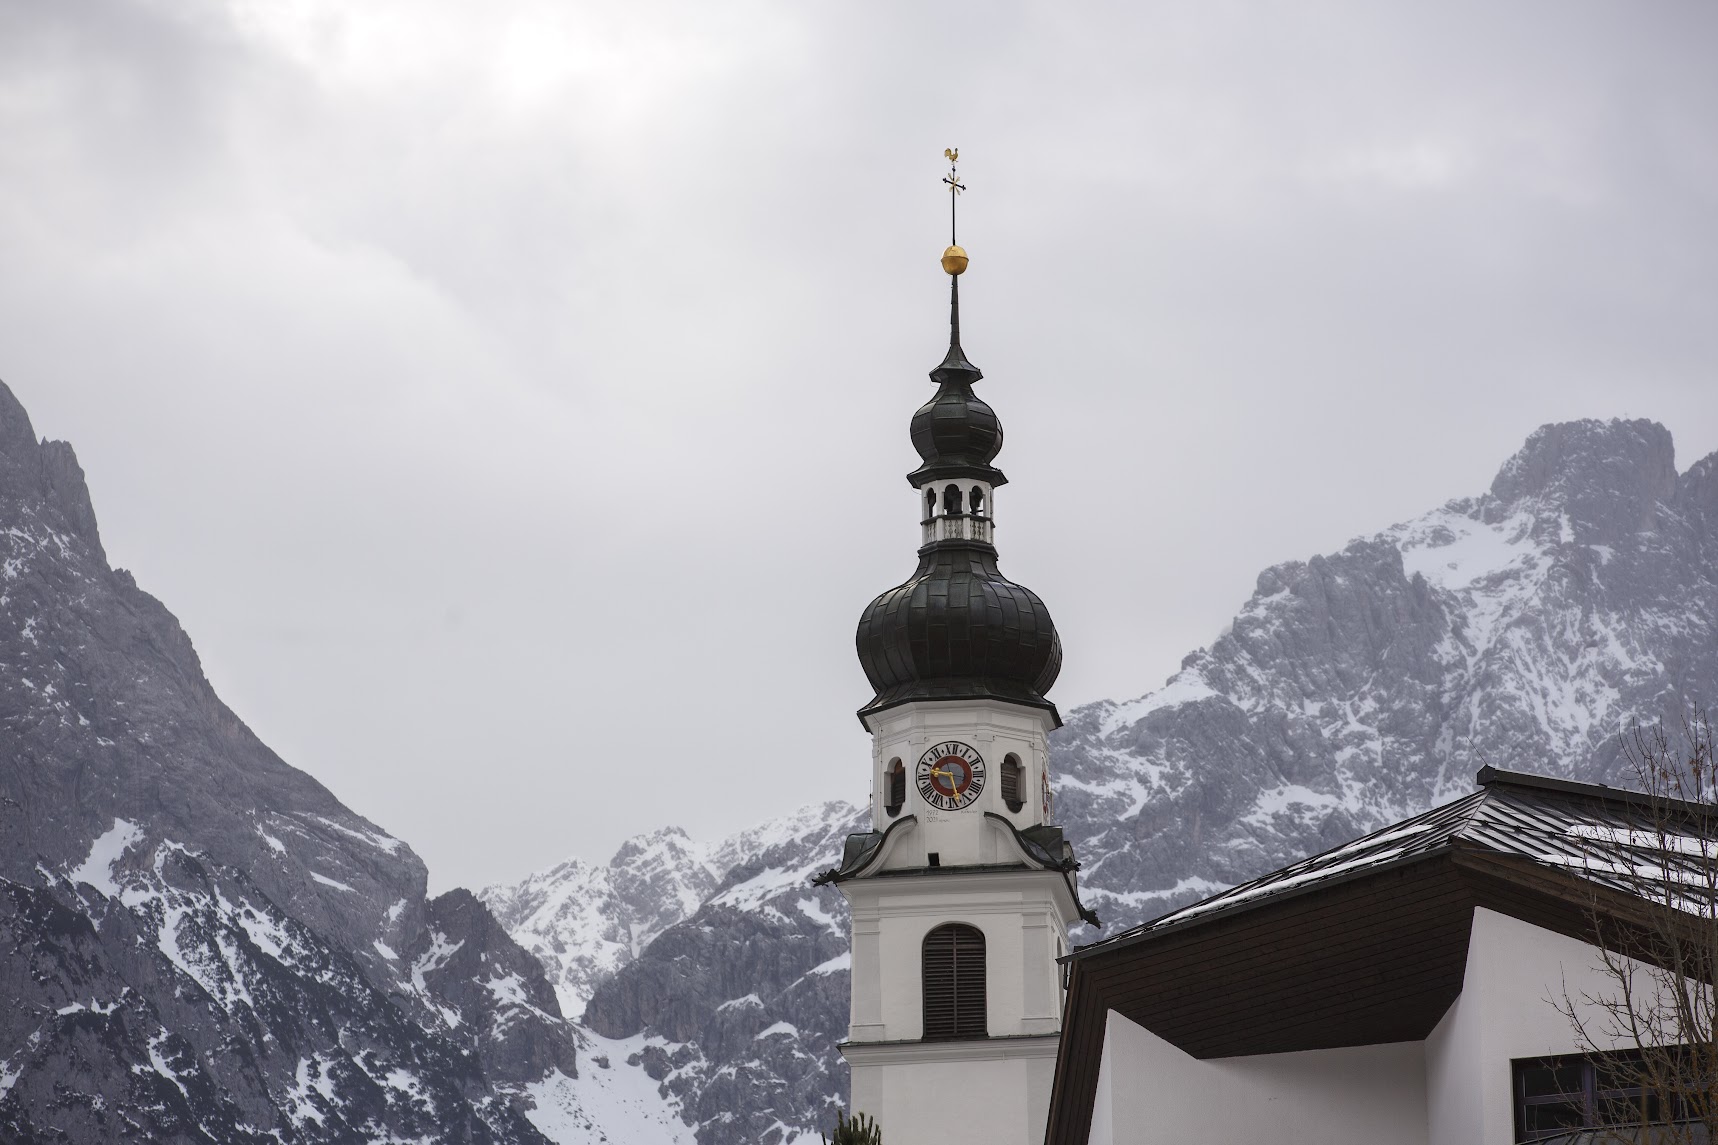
(958, 629)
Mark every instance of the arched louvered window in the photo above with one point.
(954, 983)
(1012, 774)
(895, 793)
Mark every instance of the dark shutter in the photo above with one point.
(1011, 783)
(897, 787)
(954, 983)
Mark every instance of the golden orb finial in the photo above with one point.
(954, 258)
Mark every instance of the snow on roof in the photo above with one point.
(1616, 838)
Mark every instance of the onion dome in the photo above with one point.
(958, 630)
(956, 433)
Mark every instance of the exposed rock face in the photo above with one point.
(1522, 628)
(197, 941)
(584, 922)
(733, 1008)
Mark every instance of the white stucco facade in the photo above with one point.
(1515, 972)
(958, 866)
(997, 730)
(1021, 914)
(1454, 1088)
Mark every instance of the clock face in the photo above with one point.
(950, 775)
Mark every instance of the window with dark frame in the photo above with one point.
(1011, 773)
(896, 795)
(954, 983)
(1559, 1096)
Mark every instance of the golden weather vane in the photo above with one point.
(955, 186)
(954, 258)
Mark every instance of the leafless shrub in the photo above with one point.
(1653, 1034)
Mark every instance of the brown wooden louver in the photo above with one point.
(954, 983)
(897, 786)
(1011, 783)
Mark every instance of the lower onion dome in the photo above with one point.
(958, 630)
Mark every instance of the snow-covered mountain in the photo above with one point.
(1521, 627)
(584, 921)
(733, 1015)
(198, 942)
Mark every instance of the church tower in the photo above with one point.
(962, 893)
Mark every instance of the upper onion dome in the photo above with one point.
(956, 433)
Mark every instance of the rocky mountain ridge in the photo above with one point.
(198, 942)
(584, 921)
(1522, 627)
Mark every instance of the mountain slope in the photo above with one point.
(197, 941)
(734, 1010)
(1522, 627)
(584, 922)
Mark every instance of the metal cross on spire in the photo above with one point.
(955, 187)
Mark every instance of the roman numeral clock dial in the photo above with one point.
(950, 775)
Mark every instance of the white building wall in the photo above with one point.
(1516, 975)
(1452, 1089)
(1151, 1093)
(994, 1092)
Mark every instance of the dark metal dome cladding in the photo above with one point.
(956, 433)
(958, 629)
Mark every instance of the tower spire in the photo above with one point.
(954, 366)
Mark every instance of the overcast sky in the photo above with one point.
(510, 398)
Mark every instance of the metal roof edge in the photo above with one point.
(1489, 776)
(1153, 927)
(1150, 930)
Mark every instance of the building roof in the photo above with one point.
(1576, 827)
(1367, 943)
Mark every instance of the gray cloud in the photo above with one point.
(511, 399)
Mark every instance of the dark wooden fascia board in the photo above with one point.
(1263, 932)
(1110, 947)
(1579, 908)
(1079, 1057)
